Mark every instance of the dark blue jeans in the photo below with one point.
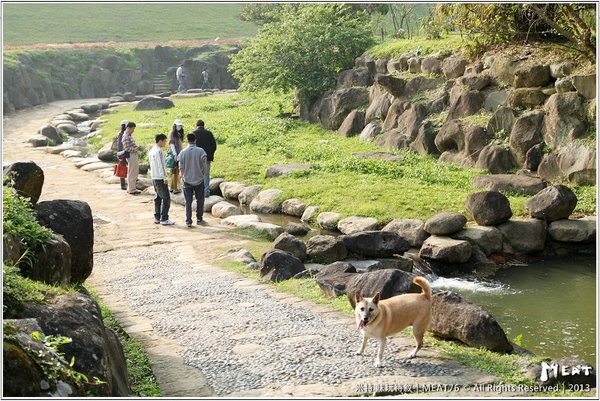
(162, 202)
(189, 192)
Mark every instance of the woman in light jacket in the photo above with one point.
(176, 144)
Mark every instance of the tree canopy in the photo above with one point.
(305, 48)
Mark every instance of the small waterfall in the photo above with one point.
(422, 267)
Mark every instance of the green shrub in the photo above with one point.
(19, 220)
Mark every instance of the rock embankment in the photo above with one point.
(496, 113)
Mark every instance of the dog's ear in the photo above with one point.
(358, 297)
(376, 298)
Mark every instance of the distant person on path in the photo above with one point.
(130, 146)
(205, 82)
(176, 145)
(206, 140)
(121, 159)
(192, 161)
(180, 74)
(158, 172)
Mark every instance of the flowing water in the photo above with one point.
(551, 304)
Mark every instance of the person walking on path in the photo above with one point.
(192, 161)
(206, 140)
(133, 149)
(176, 145)
(158, 172)
(121, 159)
(180, 74)
(205, 82)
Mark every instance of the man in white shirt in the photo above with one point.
(180, 74)
(158, 172)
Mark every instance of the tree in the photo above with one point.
(305, 49)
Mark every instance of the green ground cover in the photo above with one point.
(251, 137)
(88, 22)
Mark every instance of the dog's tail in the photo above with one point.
(424, 284)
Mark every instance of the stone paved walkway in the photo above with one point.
(209, 332)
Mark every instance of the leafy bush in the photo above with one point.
(20, 220)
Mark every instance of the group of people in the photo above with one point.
(181, 75)
(190, 164)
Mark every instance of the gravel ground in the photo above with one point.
(240, 337)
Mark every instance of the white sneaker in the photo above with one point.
(167, 222)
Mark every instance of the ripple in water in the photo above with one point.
(473, 285)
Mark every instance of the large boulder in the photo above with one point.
(224, 209)
(524, 98)
(328, 220)
(495, 99)
(531, 76)
(523, 237)
(271, 231)
(585, 85)
(454, 318)
(526, 132)
(392, 85)
(355, 224)
(154, 103)
(370, 131)
(467, 104)
(424, 142)
(573, 230)
(565, 119)
(78, 316)
(293, 207)
(489, 208)
(552, 203)
(249, 193)
(502, 120)
(354, 77)
(431, 66)
(577, 163)
(310, 214)
(52, 133)
(25, 362)
(268, 201)
(290, 244)
(333, 278)
(28, 179)
(445, 223)
(378, 108)
(376, 244)
(387, 282)
(73, 220)
(353, 124)
(335, 107)
(453, 67)
(412, 230)
(488, 239)
(496, 159)
(326, 248)
(410, 121)
(278, 265)
(521, 183)
(231, 190)
(446, 250)
(451, 136)
(52, 263)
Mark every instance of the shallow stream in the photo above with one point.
(552, 304)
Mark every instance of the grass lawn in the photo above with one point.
(128, 22)
(251, 137)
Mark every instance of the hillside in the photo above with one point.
(27, 24)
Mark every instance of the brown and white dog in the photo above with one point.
(381, 318)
